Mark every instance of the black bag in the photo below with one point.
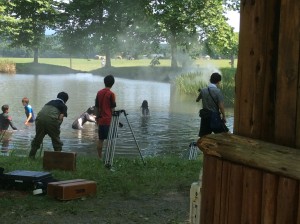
(217, 124)
(205, 113)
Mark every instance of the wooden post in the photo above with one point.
(255, 178)
(268, 72)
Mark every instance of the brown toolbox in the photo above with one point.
(59, 160)
(71, 189)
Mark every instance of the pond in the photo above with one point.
(172, 125)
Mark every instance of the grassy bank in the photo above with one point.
(89, 65)
(130, 69)
(130, 180)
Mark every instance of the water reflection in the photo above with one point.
(173, 123)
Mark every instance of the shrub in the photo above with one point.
(8, 67)
(190, 83)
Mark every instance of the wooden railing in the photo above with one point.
(248, 181)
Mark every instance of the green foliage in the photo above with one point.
(128, 27)
(190, 83)
(184, 23)
(32, 19)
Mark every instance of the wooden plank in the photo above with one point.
(218, 192)
(254, 153)
(225, 186)
(235, 194)
(298, 212)
(296, 42)
(269, 198)
(72, 189)
(287, 74)
(52, 186)
(287, 201)
(252, 196)
(59, 160)
(246, 65)
(268, 67)
(255, 93)
(208, 190)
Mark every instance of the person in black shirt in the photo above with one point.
(48, 122)
(5, 119)
(5, 122)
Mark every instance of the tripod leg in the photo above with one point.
(114, 140)
(134, 139)
(111, 140)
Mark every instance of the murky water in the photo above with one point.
(173, 123)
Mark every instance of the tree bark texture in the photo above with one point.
(267, 79)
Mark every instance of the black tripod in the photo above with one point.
(112, 138)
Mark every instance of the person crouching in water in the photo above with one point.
(88, 115)
(48, 122)
(145, 108)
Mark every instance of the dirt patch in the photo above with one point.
(171, 208)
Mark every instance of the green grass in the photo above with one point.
(131, 176)
(130, 179)
(90, 65)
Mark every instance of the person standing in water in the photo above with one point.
(105, 104)
(28, 111)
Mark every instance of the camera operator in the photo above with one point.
(105, 104)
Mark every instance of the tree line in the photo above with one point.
(129, 27)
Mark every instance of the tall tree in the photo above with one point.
(33, 17)
(104, 21)
(8, 23)
(183, 20)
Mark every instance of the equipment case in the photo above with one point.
(26, 180)
(59, 160)
(71, 189)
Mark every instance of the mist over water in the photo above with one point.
(172, 126)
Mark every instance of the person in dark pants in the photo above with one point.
(48, 122)
(213, 101)
(105, 104)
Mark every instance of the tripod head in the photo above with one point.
(118, 112)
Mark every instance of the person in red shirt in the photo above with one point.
(105, 104)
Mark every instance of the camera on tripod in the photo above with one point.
(117, 113)
(112, 136)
